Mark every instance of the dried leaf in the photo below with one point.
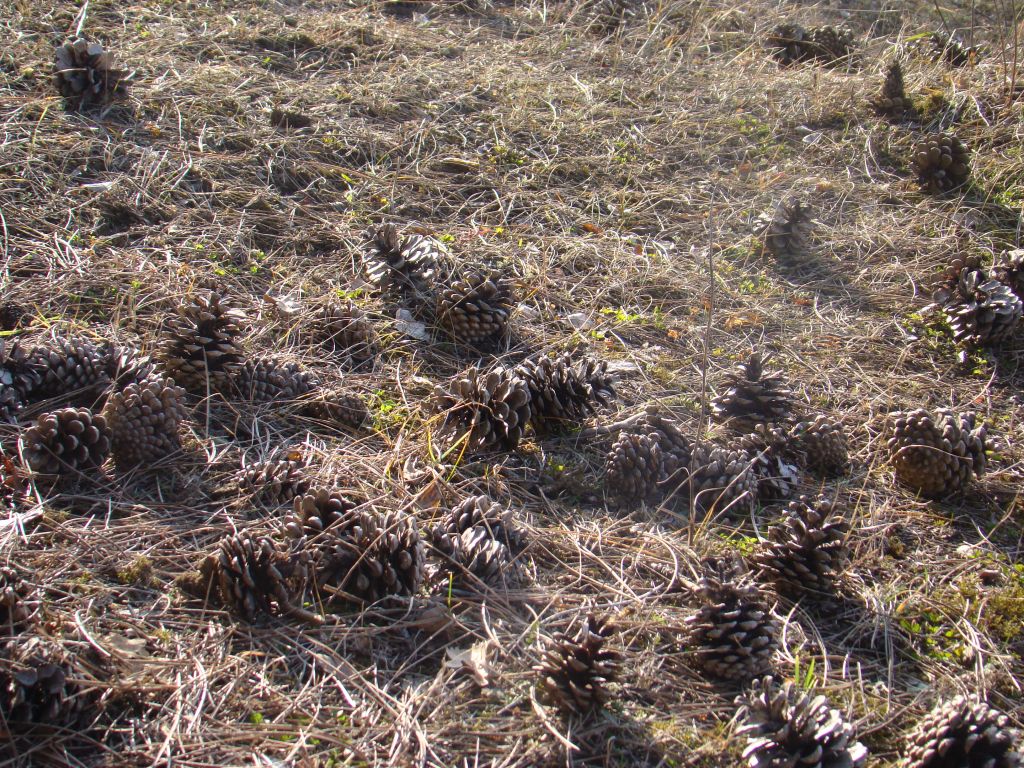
(473, 661)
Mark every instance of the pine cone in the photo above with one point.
(85, 76)
(273, 482)
(16, 602)
(831, 45)
(144, 421)
(733, 634)
(952, 50)
(722, 481)
(980, 309)
(490, 409)
(942, 163)
(789, 44)
(402, 265)
(470, 558)
(360, 556)
(609, 15)
(67, 442)
(787, 727)
(787, 232)
(564, 390)
(480, 512)
(254, 575)
(336, 406)
(936, 455)
(34, 686)
(201, 348)
(13, 483)
(808, 549)
(12, 316)
(769, 454)
(18, 379)
(1010, 271)
(268, 381)
(574, 670)
(476, 309)
(74, 368)
(963, 732)
(634, 469)
(820, 445)
(676, 449)
(125, 365)
(753, 396)
(344, 328)
(892, 101)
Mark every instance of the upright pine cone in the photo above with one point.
(344, 328)
(69, 367)
(981, 310)
(361, 556)
(18, 379)
(269, 381)
(942, 163)
(787, 727)
(575, 669)
(935, 455)
(892, 101)
(475, 309)
(820, 445)
(145, 420)
(85, 76)
(273, 482)
(256, 575)
(963, 732)
(789, 43)
(34, 686)
(480, 512)
(66, 442)
(202, 350)
(733, 634)
(787, 232)
(634, 469)
(807, 549)
(402, 265)
(336, 406)
(490, 409)
(722, 480)
(564, 390)
(753, 396)
(770, 454)
(1009, 270)
(16, 603)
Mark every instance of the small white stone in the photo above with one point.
(579, 321)
(405, 323)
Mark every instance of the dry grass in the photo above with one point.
(605, 173)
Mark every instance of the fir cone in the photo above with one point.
(67, 442)
(892, 101)
(935, 455)
(733, 634)
(16, 602)
(981, 310)
(470, 558)
(336, 406)
(807, 549)
(343, 328)
(831, 45)
(490, 410)
(1009, 270)
(634, 469)
(786, 727)
(254, 576)
(789, 43)
(952, 50)
(274, 482)
(820, 445)
(85, 76)
(401, 265)
(125, 365)
(963, 732)
(201, 348)
(66, 367)
(565, 390)
(941, 162)
(35, 687)
(575, 669)
(769, 452)
(722, 481)
(145, 420)
(18, 379)
(12, 316)
(476, 309)
(753, 396)
(676, 449)
(480, 512)
(787, 232)
(269, 381)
